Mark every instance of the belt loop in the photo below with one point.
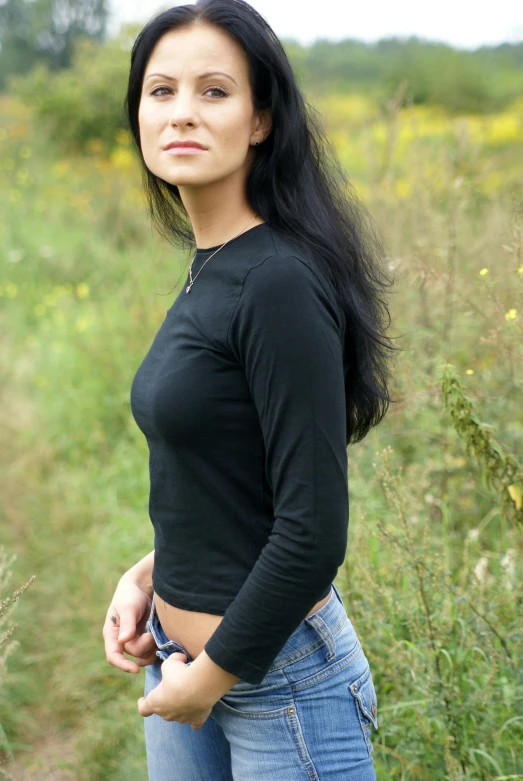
(324, 631)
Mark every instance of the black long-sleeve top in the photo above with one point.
(241, 399)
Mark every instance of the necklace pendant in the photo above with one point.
(188, 289)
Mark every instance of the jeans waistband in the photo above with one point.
(326, 623)
(164, 646)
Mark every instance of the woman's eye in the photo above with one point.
(221, 92)
(217, 89)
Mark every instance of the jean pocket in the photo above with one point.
(267, 700)
(364, 694)
(255, 710)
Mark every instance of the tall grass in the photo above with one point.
(7, 643)
(432, 578)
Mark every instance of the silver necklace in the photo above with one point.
(189, 286)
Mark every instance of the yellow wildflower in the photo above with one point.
(50, 299)
(11, 289)
(469, 371)
(82, 290)
(122, 158)
(483, 272)
(82, 324)
(511, 314)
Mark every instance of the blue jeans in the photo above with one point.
(310, 719)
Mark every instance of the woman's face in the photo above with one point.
(185, 103)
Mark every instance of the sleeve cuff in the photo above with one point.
(234, 664)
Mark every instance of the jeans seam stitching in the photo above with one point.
(366, 732)
(326, 673)
(366, 727)
(268, 715)
(299, 739)
(310, 649)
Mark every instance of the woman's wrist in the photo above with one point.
(206, 681)
(140, 574)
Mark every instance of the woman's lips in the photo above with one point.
(184, 150)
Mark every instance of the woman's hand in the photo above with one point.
(175, 699)
(124, 628)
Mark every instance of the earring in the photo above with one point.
(256, 143)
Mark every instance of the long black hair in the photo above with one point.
(297, 185)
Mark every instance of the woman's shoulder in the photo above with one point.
(276, 274)
(287, 285)
(282, 260)
(282, 266)
(284, 263)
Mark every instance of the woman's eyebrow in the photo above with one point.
(201, 76)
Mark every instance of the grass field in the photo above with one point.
(432, 578)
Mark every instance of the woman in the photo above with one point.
(271, 360)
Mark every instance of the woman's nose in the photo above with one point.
(182, 108)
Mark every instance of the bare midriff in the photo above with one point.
(192, 629)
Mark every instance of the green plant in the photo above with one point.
(502, 472)
(445, 638)
(7, 644)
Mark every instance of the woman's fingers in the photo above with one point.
(114, 647)
(124, 628)
(114, 655)
(143, 648)
(143, 661)
(127, 621)
(140, 644)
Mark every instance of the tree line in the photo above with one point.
(47, 33)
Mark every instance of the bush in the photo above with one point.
(84, 102)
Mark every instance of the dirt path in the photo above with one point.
(47, 761)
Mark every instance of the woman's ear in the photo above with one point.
(263, 125)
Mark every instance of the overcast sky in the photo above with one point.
(462, 23)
